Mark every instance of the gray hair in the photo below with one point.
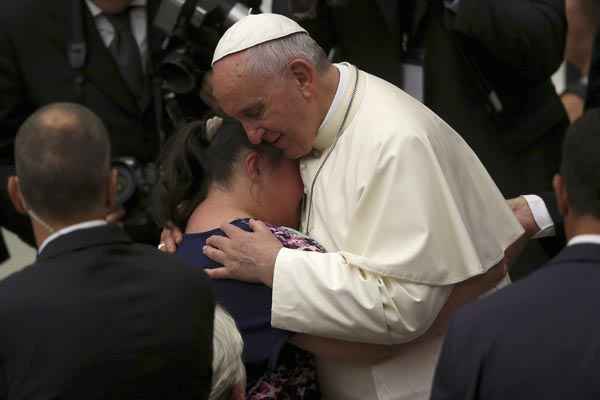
(227, 365)
(272, 57)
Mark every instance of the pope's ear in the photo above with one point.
(304, 74)
(16, 197)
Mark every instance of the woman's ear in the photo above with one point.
(252, 166)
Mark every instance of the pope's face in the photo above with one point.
(270, 109)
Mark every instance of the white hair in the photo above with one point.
(273, 56)
(227, 365)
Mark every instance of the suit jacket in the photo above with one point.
(97, 316)
(537, 339)
(512, 47)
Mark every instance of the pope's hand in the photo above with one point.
(521, 210)
(245, 256)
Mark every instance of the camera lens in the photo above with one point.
(125, 183)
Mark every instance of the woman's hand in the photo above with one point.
(170, 237)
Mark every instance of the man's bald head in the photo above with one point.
(62, 157)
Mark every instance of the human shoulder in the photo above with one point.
(171, 267)
(16, 288)
(388, 116)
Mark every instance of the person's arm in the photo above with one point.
(370, 308)
(358, 353)
(527, 35)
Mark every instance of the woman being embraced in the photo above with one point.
(210, 175)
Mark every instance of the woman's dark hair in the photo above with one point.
(191, 162)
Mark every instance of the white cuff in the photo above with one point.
(541, 215)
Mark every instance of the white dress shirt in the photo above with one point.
(69, 229)
(139, 26)
(580, 239)
(541, 216)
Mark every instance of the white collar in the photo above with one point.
(584, 239)
(342, 85)
(71, 228)
(96, 11)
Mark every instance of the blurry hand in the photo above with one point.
(170, 237)
(520, 208)
(245, 256)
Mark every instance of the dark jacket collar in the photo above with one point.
(84, 238)
(582, 252)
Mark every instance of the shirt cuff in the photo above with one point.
(541, 215)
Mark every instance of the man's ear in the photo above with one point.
(16, 197)
(562, 197)
(111, 193)
(304, 75)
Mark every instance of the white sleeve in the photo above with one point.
(541, 215)
(322, 294)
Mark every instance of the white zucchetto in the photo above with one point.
(253, 30)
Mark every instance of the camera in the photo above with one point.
(193, 29)
(135, 186)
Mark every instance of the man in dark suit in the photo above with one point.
(96, 316)
(539, 338)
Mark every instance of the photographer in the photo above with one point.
(36, 68)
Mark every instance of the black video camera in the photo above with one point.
(193, 29)
(135, 185)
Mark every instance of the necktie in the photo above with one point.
(126, 52)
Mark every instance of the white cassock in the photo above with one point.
(406, 210)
